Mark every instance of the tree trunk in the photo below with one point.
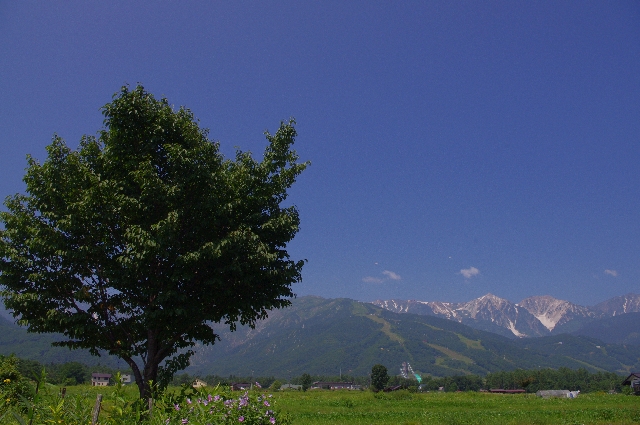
(148, 374)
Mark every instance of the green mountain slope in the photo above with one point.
(622, 329)
(322, 336)
(16, 340)
(325, 336)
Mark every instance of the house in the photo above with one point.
(198, 383)
(240, 386)
(100, 379)
(334, 385)
(633, 381)
(125, 379)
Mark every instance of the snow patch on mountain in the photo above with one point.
(552, 312)
(533, 316)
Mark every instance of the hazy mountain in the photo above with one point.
(16, 340)
(532, 317)
(619, 329)
(629, 303)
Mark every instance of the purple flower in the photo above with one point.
(216, 398)
(185, 421)
(189, 400)
(258, 384)
(176, 406)
(210, 398)
(272, 420)
(241, 419)
(266, 403)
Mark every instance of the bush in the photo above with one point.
(276, 385)
(13, 386)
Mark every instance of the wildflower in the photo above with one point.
(258, 384)
(241, 419)
(266, 403)
(6, 381)
(216, 398)
(188, 401)
(185, 421)
(272, 420)
(176, 406)
(210, 398)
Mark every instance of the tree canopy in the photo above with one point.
(379, 377)
(139, 239)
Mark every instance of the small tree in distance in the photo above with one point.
(137, 241)
(306, 381)
(379, 377)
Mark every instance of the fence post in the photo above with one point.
(150, 408)
(96, 410)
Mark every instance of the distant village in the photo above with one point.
(105, 379)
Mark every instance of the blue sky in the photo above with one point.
(457, 148)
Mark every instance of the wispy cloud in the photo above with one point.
(391, 275)
(613, 273)
(470, 272)
(371, 279)
(388, 275)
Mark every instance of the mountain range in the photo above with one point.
(532, 317)
(323, 336)
(328, 336)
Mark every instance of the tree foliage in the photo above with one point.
(140, 238)
(379, 377)
(306, 381)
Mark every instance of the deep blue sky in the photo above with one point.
(457, 148)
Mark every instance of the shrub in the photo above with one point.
(13, 386)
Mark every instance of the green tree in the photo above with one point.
(379, 377)
(73, 373)
(138, 240)
(275, 386)
(306, 381)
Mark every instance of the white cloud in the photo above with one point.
(371, 279)
(388, 275)
(613, 273)
(470, 272)
(391, 275)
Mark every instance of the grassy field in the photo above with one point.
(343, 407)
(405, 408)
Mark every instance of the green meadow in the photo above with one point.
(472, 408)
(398, 408)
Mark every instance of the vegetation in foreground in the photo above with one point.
(324, 407)
(38, 402)
(472, 408)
